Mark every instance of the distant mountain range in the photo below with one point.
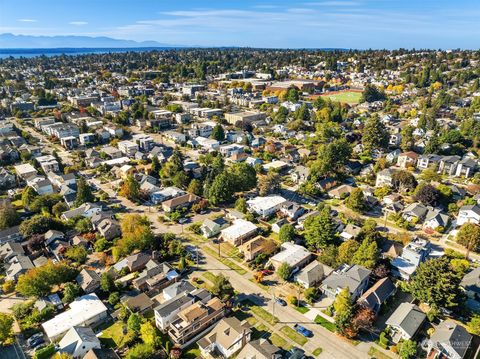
(11, 41)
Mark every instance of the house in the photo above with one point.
(471, 284)
(155, 275)
(300, 174)
(415, 212)
(134, 262)
(140, 303)
(103, 353)
(414, 253)
(375, 296)
(260, 349)
(256, 246)
(435, 219)
(355, 278)
(88, 280)
(182, 286)
(350, 231)
(25, 171)
(212, 227)
(195, 320)
(168, 310)
(17, 265)
(7, 179)
(296, 256)
(266, 206)
(185, 200)
(227, 337)
(341, 191)
(312, 274)
(466, 167)
(277, 225)
(426, 161)
(238, 232)
(85, 210)
(385, 178)
(448, 165)
(78, 341)
(292, 210)
(450, 341)
(42, 186)
(86, 310)
(109, 228)
(405, 321)
(407, 159)
(9, 250)
(468, 214)
(11, 234)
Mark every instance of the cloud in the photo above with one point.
(27, 20)
(78, 23)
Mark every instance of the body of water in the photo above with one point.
(17, 53)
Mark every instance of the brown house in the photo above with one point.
(179, 202)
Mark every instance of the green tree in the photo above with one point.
(77, 254)
(319, 229)
(195, 187)
(58, 208)
(107, 283)
(269, 183)
(404, 181)
(140, 351)
(437, 284)
(39, 224)
(155, 166)
(70, 292)
(367, 254)
(371, 93)
(84, 192)
(244, 176)
(407, 349)
(284, 271)
(134, 322)
(149, 334)
(292, 94)
(375, 135)
(221, 190)
(287, 233)
(8, 216)
(28, 195)
(222, 288)
(473, 326)
(331, 159)
(356, 200)
(469, 236)
(130, 188)
(343, 307)
(347, 250)
(218, 133)
(241, 205)
(407, 141)
(6, 329)
(310, 295)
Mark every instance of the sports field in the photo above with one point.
(350, 97)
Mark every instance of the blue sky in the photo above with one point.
(321, 23)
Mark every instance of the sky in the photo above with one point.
(359, 24)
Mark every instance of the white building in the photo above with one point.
(266, 206)
(238, 231)
(294, 255)
(78, 342)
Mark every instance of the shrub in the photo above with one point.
(45, 352)
(292, 300)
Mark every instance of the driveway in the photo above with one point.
(7, 302)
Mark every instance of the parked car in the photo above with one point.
(302, 330)
(266, 272)
(183, 220)
(36, 342)
(34, 339)
(280, 301)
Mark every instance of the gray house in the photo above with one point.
(354, 277)
(405, 321)
(450, 340)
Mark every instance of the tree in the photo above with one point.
(28, 195)
(84, 192)
(221, 190)
(134, 322)
(269, 183)
(222, 288)
(364, 318)
(218, 133)
(6, 329)
(70, 292)
(469, 236)
(319, 229)
(8, 286)
(107, 283)
(8, 216)
(473, 326)
(58, 208)
(136, 234)
(39, 224)
(367, 254)
(310, 295)
(287, 233)
(130, 188)
(331, 159)
(114, 298)
(45, 203)
(407, 349)
(244, 175)
(292, 94)
(241, 205)
(140, 351)
(284, 271)
(155, 166)
(77, 254)
(343, 311)
(437, 284)
(404, 180)
(407, 141)
(371, 93)
(356, 200)
(347, 250)
(149, 334)
(427, 194)
(375, 135)
(195, 187)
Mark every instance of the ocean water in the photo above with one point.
(28, 53)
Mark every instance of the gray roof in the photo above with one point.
(75, 336)
(378, 293)
(173, 304)
(313, 272)
(407, 316)
(258, 349)
(179, 288)
(351, 278)
(471, 280)
(451, 334)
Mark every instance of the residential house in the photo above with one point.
(104, 353)
(466, 167)
(260, 349)
(471, 284)
(25, 170)
(405, 321)
(140, 303)
(468, 214)
(414, 253)
(7, 179)
(350, 231)
(300, 174)
(183, 201)
(266, 206)
(78, 341)
(436, 219)
(256, 246)
(450, 341)
(212, 227)
(88, 280)
(109, 228)
(312, 274)
(195, 320)
(85, 210)
(428, 161)
(355, 278)
(448, 165)
(292, 210)
(227, 337)
(11, 234)
(8, 250)
(376, 295)
(17, 265)
(296, 256)
(341, 191)
(240, 231)
(415, 212)
(385, 178)
(155, 275)
(182, 286)
(407, 159)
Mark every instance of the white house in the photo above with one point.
(468, 214)
(266, 206)
(79, 341)
(239, 231)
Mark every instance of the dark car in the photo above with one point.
(281, 302)
(36, 342)
(302, 330)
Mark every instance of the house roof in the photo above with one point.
(449, 333)
(471, 280)
(351, 277)
(407, 316)
(258, 349)
(378, 293)
(226, 333)
(313, 272)
(75, 337)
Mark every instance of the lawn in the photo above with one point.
(278, 341)
(230, 264)
(261, 313)
(210, 276)
(374, 352)
(349, 97)
(302, 310)
(317, 352)
(325, 323)
(191, 352)
(293, 335)
(113, 336)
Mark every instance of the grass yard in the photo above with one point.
(210, 276)
(259, 331)
(374, 352)
(191, 352)
(325, 323)
(293, 335)
(302, 310)
(261, 313)
(230, 264)
(278, 341)
(350, 97)
(317, 352)
(113, 336)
